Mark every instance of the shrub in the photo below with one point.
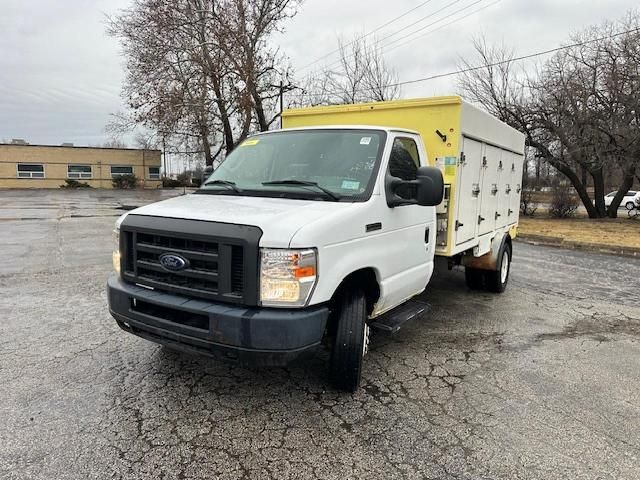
(125, 181)
(527, 205)
(71, 183)
(184, 178)
(563, 203)
(171, 183)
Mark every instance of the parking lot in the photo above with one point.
(542, 382)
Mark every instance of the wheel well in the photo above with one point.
(364, 278)
(509, 242)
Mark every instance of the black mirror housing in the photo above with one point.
(430, 186)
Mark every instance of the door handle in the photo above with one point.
(426, 235)
(458, 225)
(481, 219)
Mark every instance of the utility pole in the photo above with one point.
(281, 101)
(164, 156)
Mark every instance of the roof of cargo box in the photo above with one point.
(341, 127)
(412, 102)
(424, 115)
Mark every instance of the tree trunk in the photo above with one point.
(598, 192)
(627, 183)
(581, 189)
(258, 106)
(206, 146)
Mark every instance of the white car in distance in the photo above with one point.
(630, 199)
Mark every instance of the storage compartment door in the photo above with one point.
(505, 189)
(516, 187)
(489, 189)
(468, 192)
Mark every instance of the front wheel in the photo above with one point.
(497, 280)
(351, 341)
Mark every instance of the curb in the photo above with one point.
(559, 242)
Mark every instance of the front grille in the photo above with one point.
(201, 276)
(218, 266)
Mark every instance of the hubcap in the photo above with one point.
(504, 269)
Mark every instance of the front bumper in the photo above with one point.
(249, 336)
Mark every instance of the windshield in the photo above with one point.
(330, 164)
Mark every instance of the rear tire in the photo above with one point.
(474, 278)
(497, 280)
(351, 341)
(629, 205)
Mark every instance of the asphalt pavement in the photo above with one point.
(541, 382)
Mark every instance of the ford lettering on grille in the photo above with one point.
(173, 262)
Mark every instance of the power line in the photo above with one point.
(495, 64)
(515, 59)
(393, 20)
(441, 26)
(381, 47)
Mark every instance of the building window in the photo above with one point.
(30, 170)
(118, 170)
(79, 171)
(154, 173)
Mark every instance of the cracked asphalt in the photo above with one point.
(542, 382)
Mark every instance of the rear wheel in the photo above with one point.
(629, 205)
(351, 341)
(497, 280)
(474, 278)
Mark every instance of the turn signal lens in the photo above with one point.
(116, 250)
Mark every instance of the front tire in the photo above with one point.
(351, 341)
(497, 280)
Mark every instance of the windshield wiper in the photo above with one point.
(227, 183)
(334, 196)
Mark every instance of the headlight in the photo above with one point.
(116, 250)
(287, 276)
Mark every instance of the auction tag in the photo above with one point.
(249, 143)
(365, 140)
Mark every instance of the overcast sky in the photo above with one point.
(61, 75)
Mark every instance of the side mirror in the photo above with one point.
(430, 186)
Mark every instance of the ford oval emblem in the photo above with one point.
(173, 262)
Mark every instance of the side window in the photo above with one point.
(30, 170)
(403, 163)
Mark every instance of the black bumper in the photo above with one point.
(249, 336)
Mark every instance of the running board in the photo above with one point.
(394, 319)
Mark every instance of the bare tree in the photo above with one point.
(360, 75)
(201, 71)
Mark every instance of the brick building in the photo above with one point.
(44, 166)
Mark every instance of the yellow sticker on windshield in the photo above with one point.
(249, 143)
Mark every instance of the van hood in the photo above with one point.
(278, 218)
